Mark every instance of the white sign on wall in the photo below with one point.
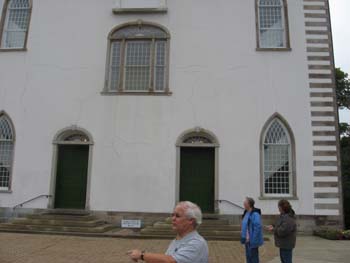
(131, 223)
(140, 5)
(143, 3)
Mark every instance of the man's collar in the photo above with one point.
(189, 234)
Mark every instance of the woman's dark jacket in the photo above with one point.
(285, 231)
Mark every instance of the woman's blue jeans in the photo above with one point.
(252, 254)
(286, 255)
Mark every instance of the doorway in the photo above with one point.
(71, 176)
(197, 177)
(70, 179)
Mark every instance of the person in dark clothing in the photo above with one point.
(285, 231)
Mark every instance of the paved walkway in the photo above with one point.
(20, 248)
(318, 250)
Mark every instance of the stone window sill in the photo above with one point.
(278, 197)
(285, 49)
(13, 49)
(128, 93)
(5, 191)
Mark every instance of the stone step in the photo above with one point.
(54, 228)
(162, 225)
(211, 216)
(74, 212)
(220, 227)
(207, 237)
(215, 222)
(215, 237)
(218, 235)
(213, 227)
(54, 222)
(62, 221)
(207, 222)
(63, 217)
(79, 234)
(202, 232)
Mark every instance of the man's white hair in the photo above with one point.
(192, 211)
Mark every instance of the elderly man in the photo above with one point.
(188, 247)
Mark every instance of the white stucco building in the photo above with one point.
(132, 105)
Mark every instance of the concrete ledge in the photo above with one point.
(139, 10)
(140, 6)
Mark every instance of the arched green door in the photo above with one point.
(197, 176)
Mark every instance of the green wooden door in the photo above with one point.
(71, 176)
(197, 176)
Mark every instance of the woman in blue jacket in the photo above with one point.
(251, 234)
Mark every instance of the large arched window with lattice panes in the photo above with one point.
(7, 141)
(138, 59)
(15, 24)
(277, 160)
(272, 23)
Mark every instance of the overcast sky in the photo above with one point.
(340, 12)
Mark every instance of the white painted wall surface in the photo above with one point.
(219, 82)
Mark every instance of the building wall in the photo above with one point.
(218, 80)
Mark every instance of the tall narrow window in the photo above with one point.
(15, 24)
(138, 60)
(277, 160)
(272, 23)
(6, 151)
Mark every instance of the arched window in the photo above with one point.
(197, 137)
(77, 138)
(73, 135)
(15, 24)
(272, 16)
(278, 159)
(138, 59)
(7, 140)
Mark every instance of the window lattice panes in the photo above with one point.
(137, 65)
(6, 152)
(271, 24)
(141, 31)
(114, 66)
(160, 65)
(16, 24)
(77, 137)
(197, 139)
(138, 59)
(277, 160)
